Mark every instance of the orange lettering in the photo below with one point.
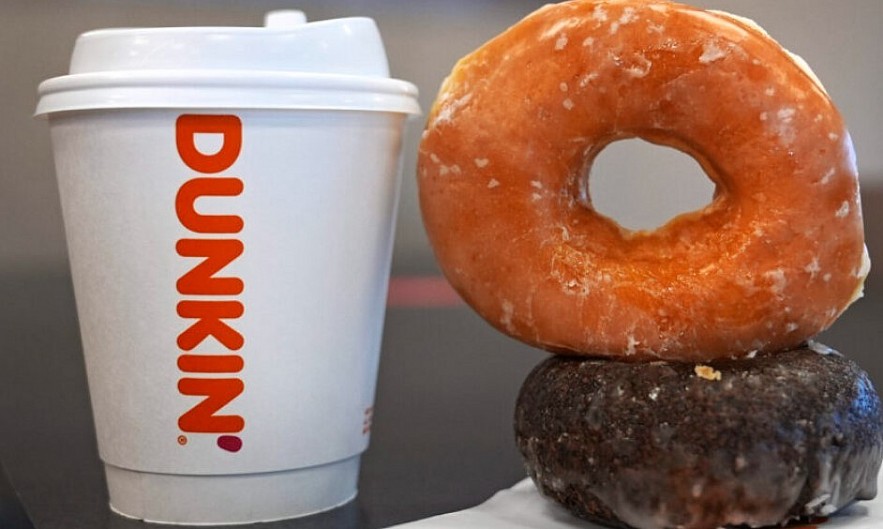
(206, 278)
(218, 392)
(185, 205)
(218, 253)
(210, 363)
(208, 316)
(189, 125)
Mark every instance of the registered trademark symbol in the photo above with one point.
(182, 440)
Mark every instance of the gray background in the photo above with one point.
(639, 185)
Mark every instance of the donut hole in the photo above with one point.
(642, 186)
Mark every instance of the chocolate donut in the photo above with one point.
(759, 442)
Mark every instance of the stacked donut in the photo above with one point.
(686, 391)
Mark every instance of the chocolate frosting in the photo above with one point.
(753, 442)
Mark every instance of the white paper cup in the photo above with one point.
(229, 215)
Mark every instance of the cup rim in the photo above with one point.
(175, 88)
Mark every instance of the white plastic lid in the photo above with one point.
(337, 64)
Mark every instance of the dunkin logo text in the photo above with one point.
(209, 298)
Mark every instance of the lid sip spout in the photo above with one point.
(284, 18)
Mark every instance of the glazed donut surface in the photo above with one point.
(775, 258)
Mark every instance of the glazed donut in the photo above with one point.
(773, 260)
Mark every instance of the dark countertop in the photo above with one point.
(442, 437)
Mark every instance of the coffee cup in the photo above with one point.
(229, 196)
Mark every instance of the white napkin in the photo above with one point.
(522, 507)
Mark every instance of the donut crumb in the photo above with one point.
(600, 14)
(822, 349)
(813, 268)
(827, 178)
(711, 52)
(588, 78)
(707, 372)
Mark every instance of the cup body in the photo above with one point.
(230, 269)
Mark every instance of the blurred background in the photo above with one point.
(639, 185)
